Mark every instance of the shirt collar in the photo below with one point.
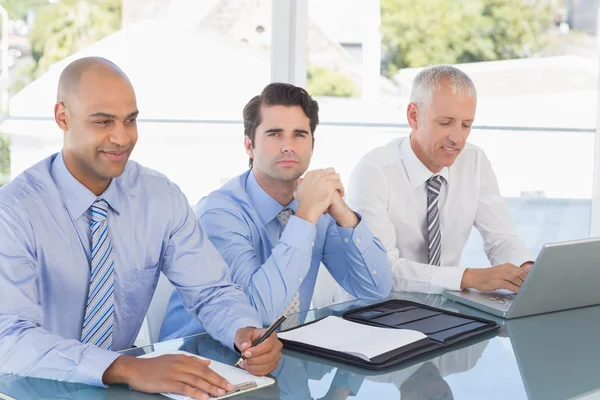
(78, 199)
(266, 206)
(417, 172)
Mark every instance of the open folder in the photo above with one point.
(363, 341)
(384, 334)
(241, 379)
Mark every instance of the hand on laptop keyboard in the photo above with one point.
(505, 276)
(504, 298)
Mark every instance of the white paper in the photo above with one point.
(234, 375)
(364, 341)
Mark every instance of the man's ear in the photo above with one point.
(413, 116)
(60, 116)
(248, 147)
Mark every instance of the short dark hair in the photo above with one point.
(279, 94)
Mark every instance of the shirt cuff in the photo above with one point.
(93, 365)
(359, 237)
(239, 324)
(300, 234)
(447, 278)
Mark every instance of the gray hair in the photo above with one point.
(433, 78)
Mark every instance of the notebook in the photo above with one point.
(359, 340)
(243, 380)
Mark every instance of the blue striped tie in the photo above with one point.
(434, 185)
(98, 321)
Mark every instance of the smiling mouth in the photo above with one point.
(451, 149)
(116, 155)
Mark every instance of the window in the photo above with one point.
(535, 66)
(193, 64)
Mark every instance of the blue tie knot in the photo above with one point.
(99, 210)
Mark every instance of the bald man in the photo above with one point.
(85, 234)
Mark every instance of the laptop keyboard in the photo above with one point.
(505, 299)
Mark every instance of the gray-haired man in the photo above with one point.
(421, 195)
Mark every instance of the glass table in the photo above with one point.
(550, 356)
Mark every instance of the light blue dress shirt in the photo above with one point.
(240, 220)
(45, 268)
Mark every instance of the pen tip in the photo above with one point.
(237, 363)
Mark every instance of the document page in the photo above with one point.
(363, 341)
(234, 375)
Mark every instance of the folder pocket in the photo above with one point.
(435, 323)
(403, 317)
(369, 315)
(399, 306)
(452, 333)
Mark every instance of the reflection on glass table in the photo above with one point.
(550, 357)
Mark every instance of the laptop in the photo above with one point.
(565, 275)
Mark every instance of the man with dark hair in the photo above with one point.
(274, 229)
(85, 234)
(281, 95)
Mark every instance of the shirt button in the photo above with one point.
(357, 240)
(313, 244)
(300, 280)
(374, 272)
(298, 363)
(346, 240)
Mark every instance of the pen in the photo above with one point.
(270, 330)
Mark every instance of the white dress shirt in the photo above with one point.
(388, 188)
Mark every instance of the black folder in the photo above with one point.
(442, 328)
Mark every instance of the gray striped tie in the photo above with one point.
(434, 185)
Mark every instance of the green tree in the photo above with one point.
(419, 33)
(4, 160)
(23, 76)
(62, 28)
(17, 9)
(324, 82)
